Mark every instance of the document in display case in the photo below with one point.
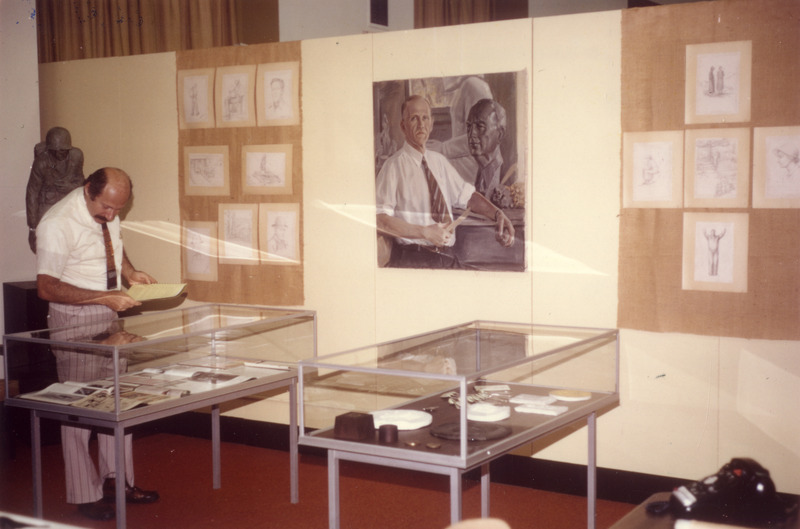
(159, 364)
(454, 399)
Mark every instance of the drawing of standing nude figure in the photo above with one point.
(713, 238)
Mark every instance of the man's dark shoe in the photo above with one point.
(98, 510)
(132, 494)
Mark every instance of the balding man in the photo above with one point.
(80, 267)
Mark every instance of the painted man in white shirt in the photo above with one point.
(404, 203)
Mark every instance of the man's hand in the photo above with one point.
(504, 230)
(437, 234)
(122, 338)
(137, 277)
(116, 300)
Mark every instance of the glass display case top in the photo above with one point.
(223, 321)
(470, 348)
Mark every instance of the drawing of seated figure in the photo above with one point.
(264, 175)
(650, 171)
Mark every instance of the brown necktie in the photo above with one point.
(111, 267)
(438, 205)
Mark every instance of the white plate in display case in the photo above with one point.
(485, 412)
(569, 395)
(404, 419)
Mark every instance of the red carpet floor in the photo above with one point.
(255, 493)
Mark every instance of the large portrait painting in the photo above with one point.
(450, 171)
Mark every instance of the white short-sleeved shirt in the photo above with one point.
(70, 246)
(402, 191)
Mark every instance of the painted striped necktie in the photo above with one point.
(438, 204)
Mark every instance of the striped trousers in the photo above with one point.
(84, 480)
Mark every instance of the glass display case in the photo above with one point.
(454, 399)
(159, 360)
(145, 367)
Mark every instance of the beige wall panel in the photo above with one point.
(759, 393)
(122, 112)
(667, 422)
(453, 50)
(413, 301)
(339, 192)
(19, 128)
(576, 168)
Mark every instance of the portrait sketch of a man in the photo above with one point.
(450, 184)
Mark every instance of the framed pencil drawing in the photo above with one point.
(199, 243)
(776, 167)
(195, 98)
(238, 234)
(715, 249)
(278, 94)
(652, 170)
(279, 233)
(717, 168)
(267, 169)
(718, 82)
(206, 170)
(235, 101)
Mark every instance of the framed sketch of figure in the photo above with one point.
(652, 169)
(717, 168)
(278, 94)
(267, 169)
(199, 243)
(279, 233)
(715, 247)
(235, 101)
(206, 171)
(195, 101)
(776, 167)
(718, 82)
(238, 234)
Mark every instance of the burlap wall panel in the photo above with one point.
(653, 84)
(271, 284)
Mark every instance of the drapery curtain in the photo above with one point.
(435, 13)
(84, 29)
